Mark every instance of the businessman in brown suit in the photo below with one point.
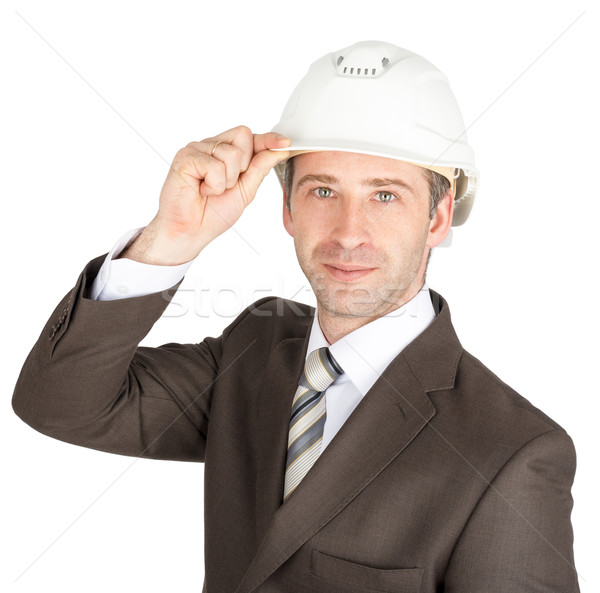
(440, 477)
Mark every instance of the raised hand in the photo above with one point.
(209, 185)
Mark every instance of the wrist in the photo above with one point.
(153, 248)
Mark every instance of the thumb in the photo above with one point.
(259, 167)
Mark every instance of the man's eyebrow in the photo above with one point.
(329, 179)
(379, 182)
(371, 182)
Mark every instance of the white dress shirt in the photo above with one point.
(123, 278)
(363, 354)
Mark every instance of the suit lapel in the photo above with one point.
(274, 407)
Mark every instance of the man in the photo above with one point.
(355, 448)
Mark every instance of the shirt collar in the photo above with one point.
(365, 353)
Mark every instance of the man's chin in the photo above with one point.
(351, 305)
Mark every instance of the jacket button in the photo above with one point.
(52, 333)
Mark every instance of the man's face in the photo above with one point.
(362, 230)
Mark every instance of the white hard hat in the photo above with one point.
(379, 99)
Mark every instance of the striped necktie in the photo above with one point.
(308, 416)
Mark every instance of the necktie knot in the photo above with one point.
(320, 370)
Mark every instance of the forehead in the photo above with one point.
(354, 168)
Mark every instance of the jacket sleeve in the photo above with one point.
(86, 381)
(519, 538)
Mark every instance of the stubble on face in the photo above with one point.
(390, 285)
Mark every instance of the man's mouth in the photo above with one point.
(347, 272)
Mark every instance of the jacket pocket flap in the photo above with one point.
(395, 580)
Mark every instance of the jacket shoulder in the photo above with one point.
(485, 390)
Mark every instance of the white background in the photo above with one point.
(96, 99)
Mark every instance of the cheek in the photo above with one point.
(311, 227)
(403, 238)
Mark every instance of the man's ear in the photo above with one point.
(440, 224)
(287, 216)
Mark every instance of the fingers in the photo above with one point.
(218, 162)
(269, 140)
(260, 165)
(239, 137)
(249, 144)
(193, 167)
(233, 161)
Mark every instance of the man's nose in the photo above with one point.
(350, 226)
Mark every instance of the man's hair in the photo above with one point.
(438, 186)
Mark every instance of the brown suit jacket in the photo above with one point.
(442, 479)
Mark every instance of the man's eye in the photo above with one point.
(385, 196)
(324, 192)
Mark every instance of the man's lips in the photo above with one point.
(347, 272)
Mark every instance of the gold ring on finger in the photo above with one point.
(212, 152)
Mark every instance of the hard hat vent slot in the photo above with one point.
(360, 71)
(364, 69)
